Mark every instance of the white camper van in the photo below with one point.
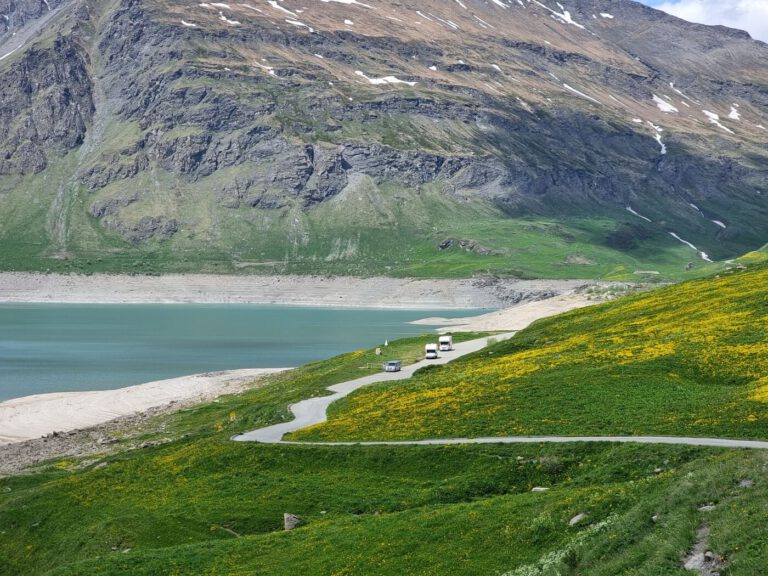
(430, 351)
(446, 343)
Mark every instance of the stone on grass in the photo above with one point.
(290, 521)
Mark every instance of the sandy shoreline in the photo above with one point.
(513, 318)
(403, 293)
(35, 416)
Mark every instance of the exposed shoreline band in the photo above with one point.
(336, 292)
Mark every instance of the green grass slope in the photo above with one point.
(370, 230)
(690, 359)
(199, 504)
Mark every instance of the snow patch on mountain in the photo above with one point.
(277, 6)
(571, 89)
(563, 16)
(631, 211)
(715, 119)
(703, 255)
(663, 105)
(384, 80)
(348, 2)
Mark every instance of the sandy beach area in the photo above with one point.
(404, 293)
(513, 318)
(35, 416)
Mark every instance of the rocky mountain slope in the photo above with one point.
(584, 138)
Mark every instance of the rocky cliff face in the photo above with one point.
(46, 105)
(267, 111)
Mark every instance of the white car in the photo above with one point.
(392, 366)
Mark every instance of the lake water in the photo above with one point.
(67, 347)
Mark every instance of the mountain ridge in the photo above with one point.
(241, 131)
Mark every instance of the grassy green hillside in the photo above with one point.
(370, 230)
(199, 504)
(689, 359)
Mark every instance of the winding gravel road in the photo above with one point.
(314, 411)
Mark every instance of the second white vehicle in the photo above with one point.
(430, 351)
(446, 343)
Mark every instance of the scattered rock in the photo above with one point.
(477, 248)
(111, 206)
(445, 244)
(539, 489)
(290, 521)
(700, 559)
(746, 483)
(578, 260)
(576, 519)
(707, 508)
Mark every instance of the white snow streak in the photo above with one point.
(268, 69)
(570, 88)
(672, 85)
(663, 105)
(482, 22)
(663, 146)
(348, 2)
(715, 119)
(259, 10)
(349, 22)
(702, 254)
(227, 20)
(734, 114)
(460, 4)
(631, 211)
(277, 6)
(384, 80)
(299, 24)
(565, 16)
(719, 223)
(189, 24)
(606, 15)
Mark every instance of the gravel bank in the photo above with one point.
(292, 290)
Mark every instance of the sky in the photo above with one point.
(749, 15)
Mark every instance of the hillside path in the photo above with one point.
(314, 411)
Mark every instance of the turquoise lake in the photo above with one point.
(68, 347)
